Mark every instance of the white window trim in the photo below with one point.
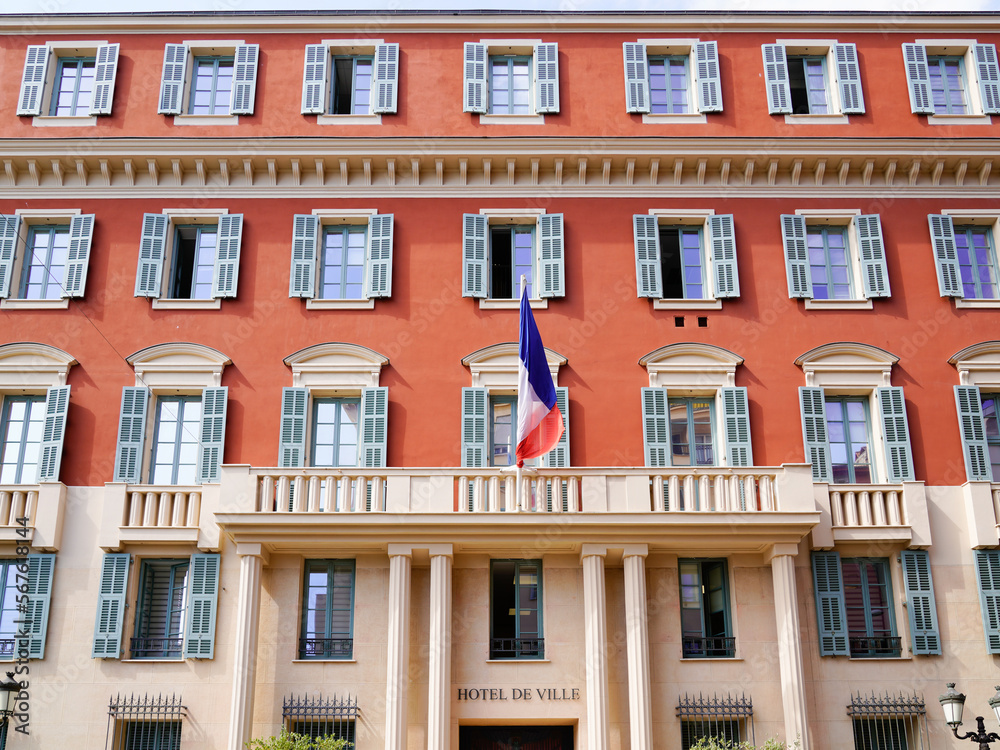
(964, 48)
(332, 217)
(982, 217)
(527, 217)
(840, 217)
(512, 47)
(818, 48)
(336, 369)
(495, 367)
(979, 365)
(348, 47)
(691, 217)
(675, 47)
(31, 217)
(85, 48)
(32, 368)
(177, 216)
(204, 48)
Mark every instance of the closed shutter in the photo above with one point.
(305, 239)
(831, 619)
(9, 226)
(227, 255)
(739, 450)
(314, 79)
(474, 95)
(646, 236)
(374, 427)
(475, 440)
(899, 459)
(708, 82)
(852, 100)
(655, 426)
(551, 256)
(106, 69)
(81, 234)
(199, 631)
(293, 428)
(793, 236)
(973, 427)
(172, 82)
(988, 575)
(636, 77)
(36, 64)
(378, 279)
(110, 606)
(814, 433)
(386, 78)
(131, 434)
(874, 272)
(918, 79)
(53, 432)
(945, 255)
(41, 569)
(213, 433)
(547, 78)
(152, 247)
(722, 236)
(989, 77)
(244, 79)
(920, 602)
(475, 270)
(558, 457)
(779, 96)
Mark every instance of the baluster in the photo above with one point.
(895, 514)
(557, 494)
(312, 494)
(30, 505)
(359, 493)
(674, 492)
(850, 508)
(865, 500)
(301, 489)
(194, 509)
(879, 514)
(688, 492)
(837, 506)
(178, 513)
(282, 500)
(18, 506)
(135, 509)
(265, 493)
(378, 494)
(165, 510)
(491, 501)
(765, 488)
(149, 509)
(573, 495)
(479, 494)
(703, 497)
(463, 494)
(5, 504)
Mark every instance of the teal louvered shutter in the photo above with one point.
(53, 432)
(722, 236)
(988, 576)
(374, 427)
(227, 255)
(739, 449)
(10, 224)
(899, 459)
(314, 76)
(81, 235)
(945, 255)
(203, 589)
(131, 434)
(989, 77)
(874, 271)
(292, 452)
(475, 440)
(646, 236)
(973, 427)
(814, 434)
(920, 602)
(106, 69)
(547, 78)
(305, 240)
(831, 618)
(779, 95)
(852, 100)
(110, 606)
(475, 96)
(211, 446)
(551, 256)
(918, 80)
(793, 237)
(386, 78)
(655, 426)
(244, 79)
(708, 82)
(175, 57)
(378, 277)
(475, 271)
(36, 64)
(152, 246)
(558, 457)
(41, 569)
(636, 77)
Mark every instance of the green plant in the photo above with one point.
(292, 741)
(713, 743)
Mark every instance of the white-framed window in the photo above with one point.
(815, 77)
(834, 259)
(678, 78)
(189, 258)
(685, 259)
(953, 81)
(511, 80)
(216, 79)
(965, 254)
(345, 80)
(977, 399)
(341, 259)
(68, 83)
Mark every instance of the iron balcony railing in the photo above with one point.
(326, 648)
(157, 648)
(696, 647)
(873, 647)
(517, 648)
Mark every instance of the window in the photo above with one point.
(799, 79)
(316, 716)
(988, 577)
(893, 721)
(43, 274)
(978, 404)
(44, 256)
(327, 611)
(516, 609)
(510, 85)
(807, 85)
(672, 77)
(74, 87)
(350, 78)
(160, 610)
(966, 257)
(25, 595)
(991, 420)
(342, 266)
(503, 430)
(177, 433)
(723, 717)
(216, 80)
(849, 429)
(335, 431)
(976, 261)
(706, 631)
(949, 78)
(830, 266)
(62, 81)
(341, 729)
(150, 735)
(211, 86)
(868, 607)
(947, 84)
(691, 439)
(717, 729)
(515, 78)
(23, 419)
(143, 722)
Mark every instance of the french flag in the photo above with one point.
(539, 421)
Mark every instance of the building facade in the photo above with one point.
(761, 250)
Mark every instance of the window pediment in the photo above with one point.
(847, 364)
(691, 364)
(178, 364)
(336, 365)
(978, 364)
(496, 366)
(32, 366)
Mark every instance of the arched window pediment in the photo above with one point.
(847, 364)
(978, 364)
(336, 364)
(496, 366)
(690, 364)
(33, 366)
(178, 364)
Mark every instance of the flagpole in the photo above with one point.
(520, 469)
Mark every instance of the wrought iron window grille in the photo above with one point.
(889, 722)
(145, 722)
(720, 716)
(319, 716)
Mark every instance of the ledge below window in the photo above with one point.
(324, 661)
(46, 121)
(35, 304)
(674, 119)
(348, 119)
(961, 302)
(959, 120)
(511, 119)
(518, 661)
(187, 304)
(512, 304)
(838, 304)
(687, 304)
(340, 304)
(206, 120)
(817, 119)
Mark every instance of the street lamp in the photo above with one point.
(8, 694)
(953, 703)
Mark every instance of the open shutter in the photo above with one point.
(974, 445)
(739, 450)
(988, 575)
(213, 433)
(227, 255)
(831, 616)
(779, 95)
(106, 69)
(36, 64)
(199, 630)
(636, 77)
(814, 433)
(305, 237)
(989, 77)
(708, 82)
(41, 569)
(920, 602)
(56, 406)
(918, 79)
(152, 247)
(852, 100)
(655, 426)
(172, 82)
(244, 79)
(292, 453)
(314, 79)
(374, 428)
(386, 78)
(551, 256)
(9, 226)
(945, 255)
(723, 238)
(874, 272)
(378, 280)
(475, 441)
(475, 274)
(131, 434)
(110, 606)
(899, 459)
(474, 95)
(81, 234)
(547, 78)
(558, 457)
(793, 236)
(646, 235)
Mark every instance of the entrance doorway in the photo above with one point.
(515, 738)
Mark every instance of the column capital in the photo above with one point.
(593, 550)
(441, 550)
(635, 550)
(253, 549)
(783, 549)
(400, 550)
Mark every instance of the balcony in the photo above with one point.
(712, 647)
(33, 513)
(894, 514)
(156, 648)
(517, 648)
(878, 647)
(159, 514)
(326, 648)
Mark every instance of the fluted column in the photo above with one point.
(786, 611)
(245, 652)
(596, 639)
(398, 648)
(637, 648)
(439, 660)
